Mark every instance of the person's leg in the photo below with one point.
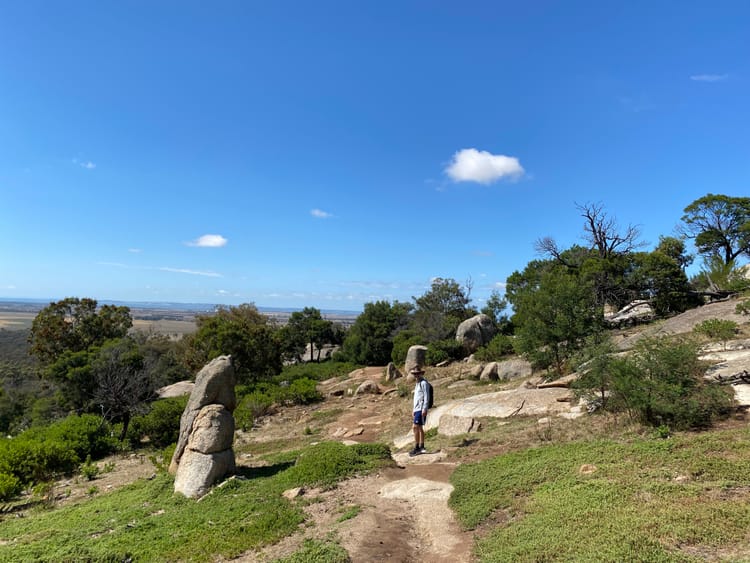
(418, 432)
(417, 429)
(419, 437)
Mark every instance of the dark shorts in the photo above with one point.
(418, 418)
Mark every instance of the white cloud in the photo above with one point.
(191, 272)
(472, 165)
(709, 77)
(135, 250)
(320, 214)
(209, 241)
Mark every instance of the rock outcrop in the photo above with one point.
(515, 368)
(204, 452)
(415, 356)
(475, 332)
(391, 372)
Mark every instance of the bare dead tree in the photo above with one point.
(603, 233)
(122, 387)
(547, 246)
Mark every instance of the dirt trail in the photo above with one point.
(403, 518)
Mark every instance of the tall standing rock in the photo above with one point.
(415, 356)
(204, 448)
(475, 332)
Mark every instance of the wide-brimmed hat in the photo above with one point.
(416, 370)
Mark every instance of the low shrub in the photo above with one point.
(161, 425)
(662, 383)
(87, 434)
(10, 486)
(89, 469)
(259, 399)
(719, 329)
(40, 453)
(315, 371)
(32, 461)
(442, 350)
(162, 459)
(501, 345)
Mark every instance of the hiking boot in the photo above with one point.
(415, 451)
(423, 450)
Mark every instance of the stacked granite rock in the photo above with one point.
(204, 452)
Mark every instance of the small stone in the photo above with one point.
(293, 493)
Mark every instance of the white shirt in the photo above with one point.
(420, 396)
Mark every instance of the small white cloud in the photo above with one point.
(223, 292)
(191, 272)
(472, 165)
(709, 77)
(320, 214)
(135, 250)
(88, 165)
(209, 241)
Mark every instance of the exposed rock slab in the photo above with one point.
(403, 459)
(452, 425)
(500, 404)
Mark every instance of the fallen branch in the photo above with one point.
(515, 412)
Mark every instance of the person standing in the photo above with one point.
(419, 411)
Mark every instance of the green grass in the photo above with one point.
(314, 551)
(148, 522)
(349, 512)
(535, 505)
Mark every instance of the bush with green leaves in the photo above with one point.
(250, 407)
(743, 307)
(38, 454)
(442, 350)
(259, 399)
(401, 344)
(661, 383)
(501, 345)
(318, 371)
(717, 329)
(161, 425)
(10, 486)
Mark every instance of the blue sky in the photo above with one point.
(334, 153)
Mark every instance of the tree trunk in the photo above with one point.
(125, 424)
